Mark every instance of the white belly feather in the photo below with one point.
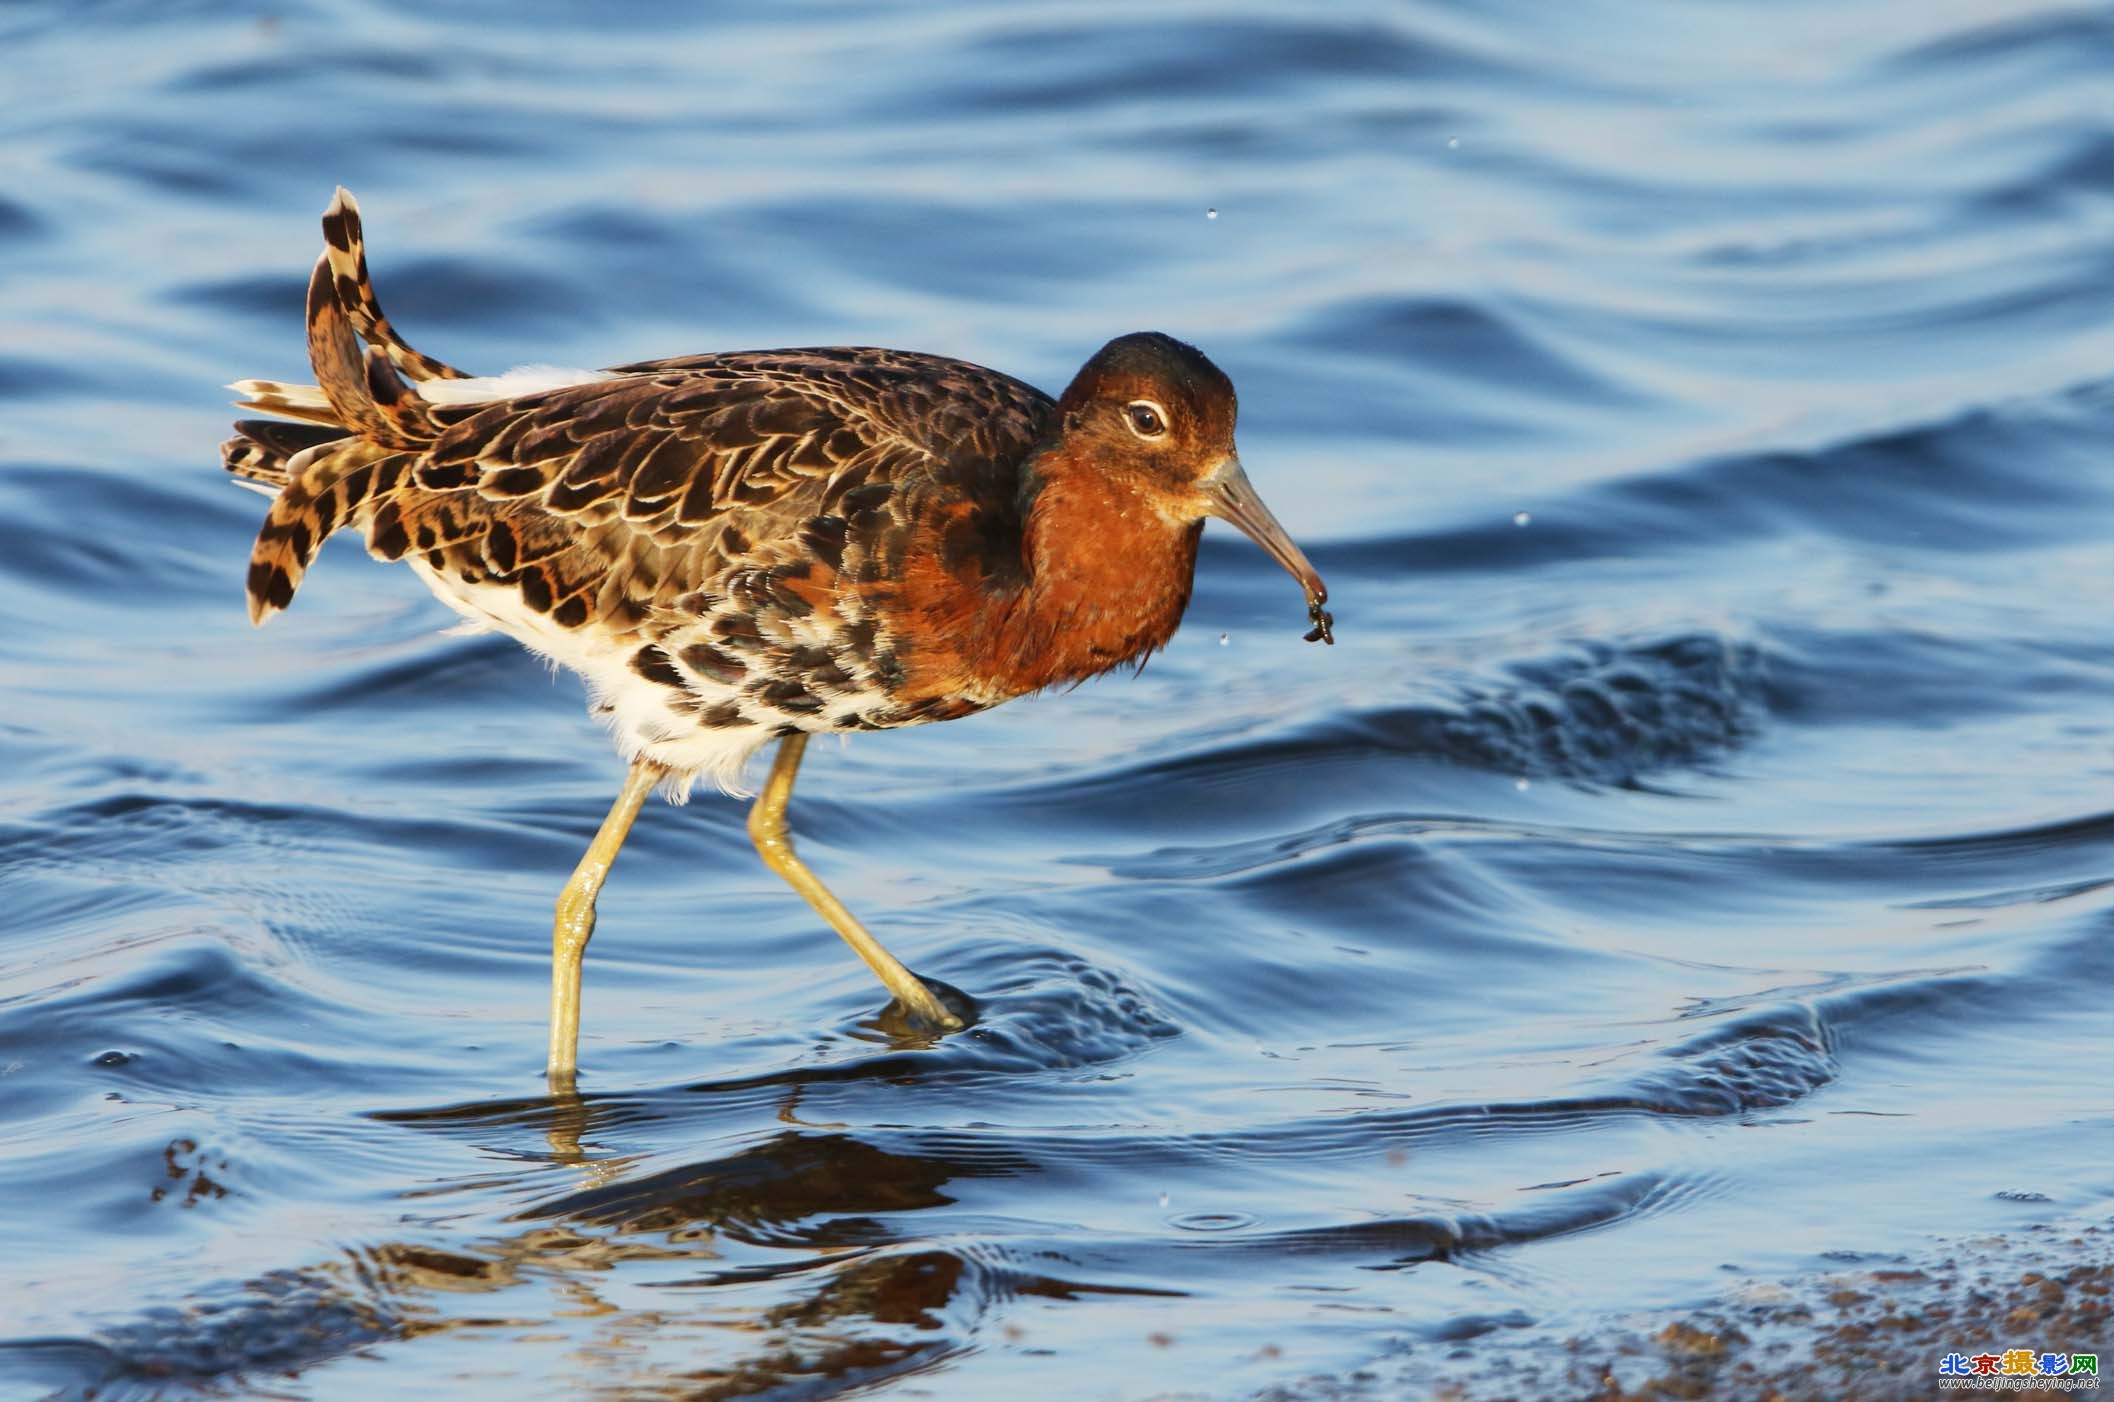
(635, 709)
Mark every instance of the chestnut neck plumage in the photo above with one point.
(1108, 576)
(1105, 578)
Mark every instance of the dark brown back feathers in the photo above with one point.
(662, 469)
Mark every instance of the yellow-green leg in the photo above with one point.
(576, 921)
(767, 828)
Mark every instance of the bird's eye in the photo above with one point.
(1147, 419)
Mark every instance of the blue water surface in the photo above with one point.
(1698, 851)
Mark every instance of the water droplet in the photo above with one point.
(1211, 214)
(1523, 784)
(1453, 143)
(1164, 1199)
(1224, 639)
(1521, 518)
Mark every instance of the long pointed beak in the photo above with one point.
(1232, 497)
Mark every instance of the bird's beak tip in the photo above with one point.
(1233, 498)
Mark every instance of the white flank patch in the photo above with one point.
(514, 384)
(636, 710)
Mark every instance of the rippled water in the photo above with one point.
(1698, 853)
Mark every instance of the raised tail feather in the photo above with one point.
(365, 392)
(345, 250)
(345, 245)
(360, 425)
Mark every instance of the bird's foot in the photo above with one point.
(951, 1010)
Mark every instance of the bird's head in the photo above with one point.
(1156, 415)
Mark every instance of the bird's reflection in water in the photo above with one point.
(856, 1316)
(796, 1187)
(808, 1249)
(799, 1272)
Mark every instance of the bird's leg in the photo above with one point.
(576, 921)
(767, 829)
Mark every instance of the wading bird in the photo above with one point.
(754, 545)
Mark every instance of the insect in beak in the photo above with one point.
(1232, 498)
